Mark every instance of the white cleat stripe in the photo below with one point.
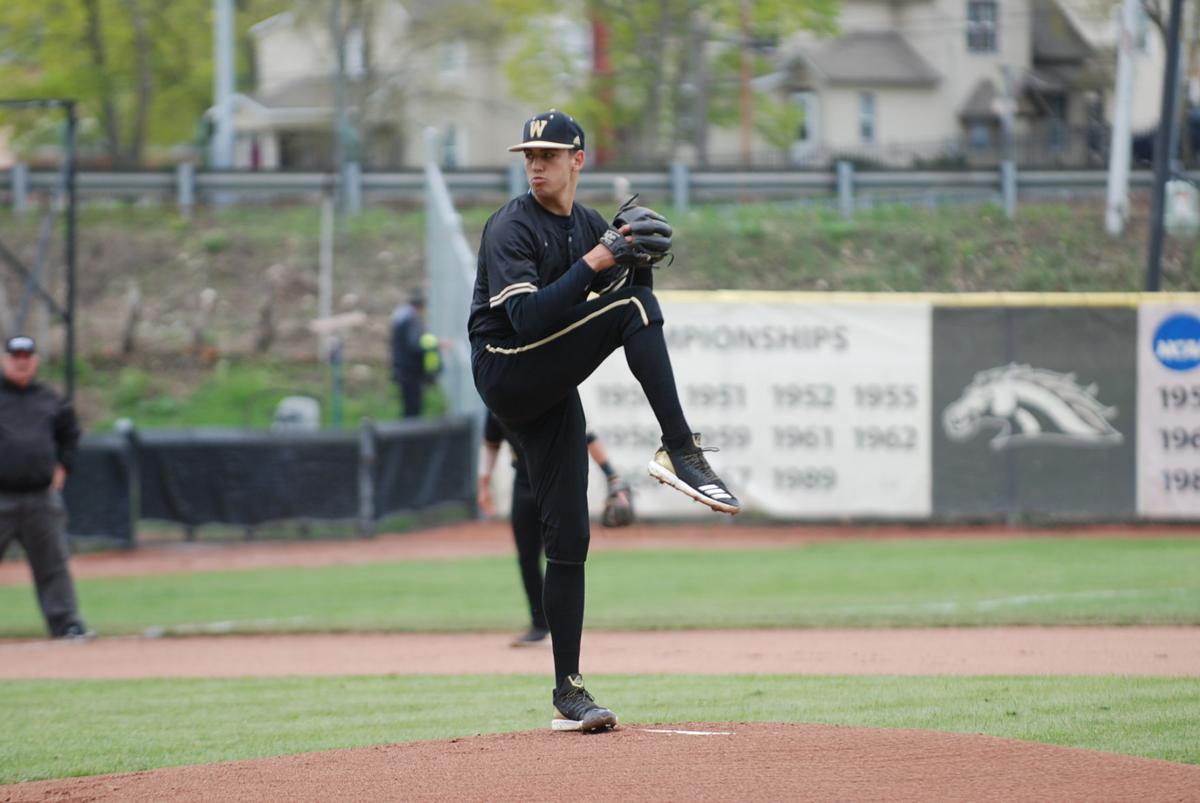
(667, 478)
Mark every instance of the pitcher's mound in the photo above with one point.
(694, 761)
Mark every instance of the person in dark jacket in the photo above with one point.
(415, 357)
(39, 435)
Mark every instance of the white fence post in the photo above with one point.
(1008, 187)
(845, 188)
(352, 191)
(20, 187)
(517, 183)
(185, 188)
(679, 186)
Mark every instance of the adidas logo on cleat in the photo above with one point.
(687, 470)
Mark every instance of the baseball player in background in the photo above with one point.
(535, 337)
(527, 530)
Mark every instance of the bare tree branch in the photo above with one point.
(108, 108)
(145, 80)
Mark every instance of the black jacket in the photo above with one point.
(38, 429)
(408, 358)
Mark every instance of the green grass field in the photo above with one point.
(886, 583)
(63, 728)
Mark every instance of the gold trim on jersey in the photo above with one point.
(554, 336)
(510, 291)
(615, 283)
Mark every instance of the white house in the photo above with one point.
(924, 79)
(904, 82)
(395, 87)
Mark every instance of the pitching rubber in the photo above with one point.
(667, 478)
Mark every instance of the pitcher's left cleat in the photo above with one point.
(687, 470)
(576, 710)
(534, 637)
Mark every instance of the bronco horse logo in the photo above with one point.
(1031, 405)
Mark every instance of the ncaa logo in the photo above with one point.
(1177, 342)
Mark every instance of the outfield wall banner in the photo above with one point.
(1034, 412)
(819, 410)
(1168, 344)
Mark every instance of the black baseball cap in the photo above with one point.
(20, 344)
(552, 129)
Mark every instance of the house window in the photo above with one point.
(356, 53)
(807, 128)
(1056, 129)
(981, 26)
(866, 117)
(452, 59)
(454, 147)
(979, 136)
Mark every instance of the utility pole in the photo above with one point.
(339, 101)
(1008, 165)
(1117, 210)
(700, 79)
(1162, 155)
(602, 70)
(71, 226)
(221, 146)
(745, 106)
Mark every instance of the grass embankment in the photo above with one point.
(940, 582)
(64, 728)
(232, 393)
(253, 255)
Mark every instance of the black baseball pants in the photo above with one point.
(37, 520)
(532, 389)
(527, 534)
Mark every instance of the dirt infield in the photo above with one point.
(692, 762)
(695, 761)
(1142, 651)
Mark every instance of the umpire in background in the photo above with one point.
(39, 435)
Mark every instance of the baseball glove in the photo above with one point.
(649, 236)
(618, 507)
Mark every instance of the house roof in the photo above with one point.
(283, 19)
(1055, 37)
(983, 102)
(882, 57)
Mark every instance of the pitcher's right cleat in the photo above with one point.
(576, 710)
(687, 470)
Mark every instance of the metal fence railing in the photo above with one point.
(678, 184)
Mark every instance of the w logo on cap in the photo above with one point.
(553, 130)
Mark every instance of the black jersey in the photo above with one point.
(530, 269)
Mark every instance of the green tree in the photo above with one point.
(664, 58)
(140, 69)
